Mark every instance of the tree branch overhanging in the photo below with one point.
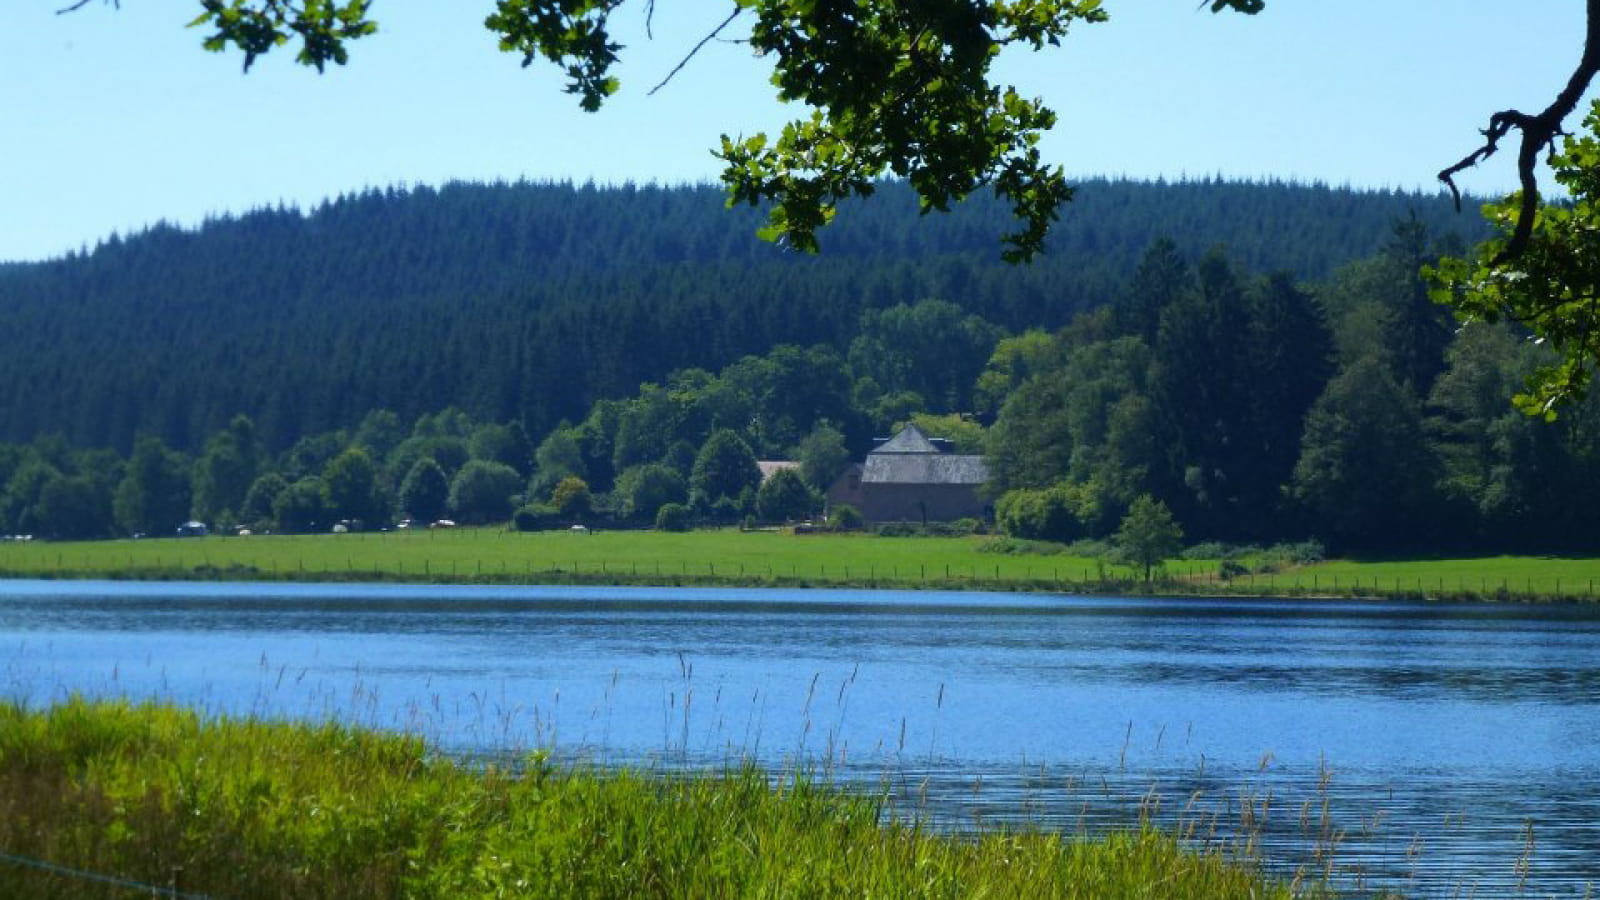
(1538, 133)
(80, 4)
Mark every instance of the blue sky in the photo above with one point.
(114, 119)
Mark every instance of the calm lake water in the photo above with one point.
(1439, 750)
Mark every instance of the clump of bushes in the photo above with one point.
(1207, 550)
(954, 528)
(1239, 560)
(844, 517)
(1011, 546)
(536, 517)
(672, 517)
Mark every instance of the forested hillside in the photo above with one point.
(529, 302)
(641, 387)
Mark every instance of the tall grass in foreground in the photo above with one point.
(244, 808)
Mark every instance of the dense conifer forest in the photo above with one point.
(1261, 360)
(531, 301)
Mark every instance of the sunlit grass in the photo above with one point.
(765, 558)
(496, 553)
(245, 808)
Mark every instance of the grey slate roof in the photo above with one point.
(910, 458)
(909, 440)
(923, 468)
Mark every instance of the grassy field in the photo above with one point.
(768, 557)
(101, 800)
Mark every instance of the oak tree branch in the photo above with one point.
(1538, 132)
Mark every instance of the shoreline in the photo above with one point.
(557, 577)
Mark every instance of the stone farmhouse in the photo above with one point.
(913, 478)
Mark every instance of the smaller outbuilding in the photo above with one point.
(771, 467)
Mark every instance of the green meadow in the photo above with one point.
(495, 555)
(111, 800)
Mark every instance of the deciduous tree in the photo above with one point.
(1149, 535)
(724, 469)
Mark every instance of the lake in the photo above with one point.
(1436, 749)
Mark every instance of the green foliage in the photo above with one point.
(225, 469)
(570, 33)
(893, 91)
(953, 528)
(507, 444)
(635, 283)
(536, 517)
(260, 502)
(672, 517)
(1550, 288)
(1014, 361)
(450, 453)
(1148, 535)
(23, 490)
(379, 433)
(257, 26)
(482, 491)
(901, 92)
(1011, 546)
(784, 497)
(844, 517)
(249, 809)
(933, 348)
(1365, 473)
(153, 496)
(1087, 419)
(74, 508)
(724, 468)
(1056, 513)
(303, 507)
(643, 490)
(965, 435)
(822, 456)
(352, 483)
(558, 456)
(572, 499)
(425, 492)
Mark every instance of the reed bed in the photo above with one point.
(98, 796)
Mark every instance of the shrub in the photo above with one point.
(482, 491)
(844, 517)
(1056, 513)
(725, 511)
(1302, 554)
(1089, 549)
(536, 517)
(643, 490)
(956, 528)
(571, 498)
(1017, 546)
(672, 517)
(1206, 550)
(784, 496)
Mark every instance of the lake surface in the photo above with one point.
(1440, 750)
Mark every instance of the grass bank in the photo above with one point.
(156, 796)
(729, 557)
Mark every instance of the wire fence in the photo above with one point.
(1178, 577)
(174, 891)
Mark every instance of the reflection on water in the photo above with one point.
(1436, 749)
